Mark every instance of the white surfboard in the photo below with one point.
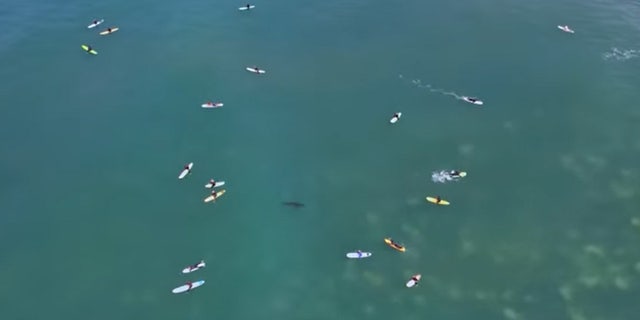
(95, 24)
(566, 29)
(218, 184)
(475, 101)
(256, 70)
(395, 117)
(195, 267)
(412, 282)
(246, 8)
(358, 255)
(185, 288)
(185, 171)
(212, 105)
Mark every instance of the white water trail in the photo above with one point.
(418, 83)
(620, 54)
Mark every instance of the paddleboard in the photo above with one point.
(256, 70)
(441, 202)
(185, 171)
(245, 8)
(196, 267)
(218, 184)
(86, 48)
(218, 195)
(356, 255)
(106, 32)
(476, 102)
(566, 29)
(185, 288)
(95, 24)
(396, 117)
(393, 245)
(210, 105)
(412, 282)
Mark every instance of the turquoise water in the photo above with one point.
(94, 223)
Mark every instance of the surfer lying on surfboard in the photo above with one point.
(214, 195)
(212, 104)
(413, 282)
(455, 174)
(394, 244)
(565, 29)
(194, 267)
(396, 117)
(255, 70)
(473, 100)
(109, 30)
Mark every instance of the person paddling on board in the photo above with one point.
(472, 99)
(190, 284)
(109, 30)
(214, 195)
(248, 6)
(95, 21)
(394, 244)
(359, 252)
(213, 183)
(415, 279)
(438, 199)
(454, 173)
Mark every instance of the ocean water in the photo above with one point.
(95, 224)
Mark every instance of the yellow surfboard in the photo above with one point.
(218, 195)
(109, 31)
(441, 202)
(462, 174)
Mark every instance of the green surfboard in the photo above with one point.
(86, 48)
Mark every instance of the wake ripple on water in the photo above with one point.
(418, 83)
(620, 54)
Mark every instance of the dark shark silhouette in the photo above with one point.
(293, 204)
